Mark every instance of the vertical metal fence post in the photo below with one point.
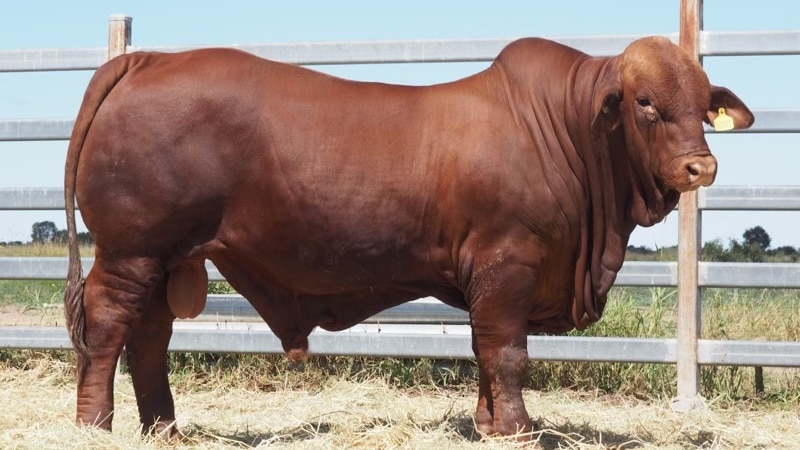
(119, 34)
(119, 38)
(689, 244)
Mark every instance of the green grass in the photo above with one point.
(34, 294)
(31, 294)
(730, 314)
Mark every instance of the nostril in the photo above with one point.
(696, 172)
(693, 170)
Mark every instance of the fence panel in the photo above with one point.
(427, 328)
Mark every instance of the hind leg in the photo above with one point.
(146, 351)
(115, 295)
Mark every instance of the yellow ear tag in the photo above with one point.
(723, 122)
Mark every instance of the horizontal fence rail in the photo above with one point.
(714, 198)
(749, 43)
(774, 121)
(633, 273)
(35, 129)
(456, 346)
(712, 43)
(28, 199)
(59, 59)
(783, 120)
(412, 51)
(750, 198)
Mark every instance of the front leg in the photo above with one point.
(502, 359)
(498, 314)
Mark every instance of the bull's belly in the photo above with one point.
(290, 293)
(556, 324)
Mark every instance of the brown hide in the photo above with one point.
(510, 194)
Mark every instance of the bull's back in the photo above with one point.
(219, 144)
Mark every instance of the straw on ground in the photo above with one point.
(38, 404)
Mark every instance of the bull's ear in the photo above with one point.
(735, 108)
(607, 100)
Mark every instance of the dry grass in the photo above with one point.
(39, 250)
(39, 401)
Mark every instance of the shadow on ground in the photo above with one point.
(248, 438)
(571, 435)
(551, 436)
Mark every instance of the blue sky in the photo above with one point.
(763, 82)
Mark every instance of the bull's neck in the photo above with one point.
(603, 154)
(553, 104)
(607, 187)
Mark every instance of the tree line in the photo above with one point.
(753, 247)
(47, 232)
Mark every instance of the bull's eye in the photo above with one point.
(648, 109)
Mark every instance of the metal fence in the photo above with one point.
(427, 328)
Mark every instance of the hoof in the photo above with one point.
(103, 424)
(166, 430)
(489, 430)
(297, 356)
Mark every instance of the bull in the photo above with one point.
(510, 194)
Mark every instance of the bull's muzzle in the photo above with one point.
(698, 171)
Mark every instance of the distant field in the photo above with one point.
(41, 250)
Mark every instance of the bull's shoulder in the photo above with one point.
(537, 68)
(535, 48)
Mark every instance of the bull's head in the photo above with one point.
(660, 96)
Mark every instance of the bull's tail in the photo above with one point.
(103, 81)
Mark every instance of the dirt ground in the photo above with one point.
(39, 404)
